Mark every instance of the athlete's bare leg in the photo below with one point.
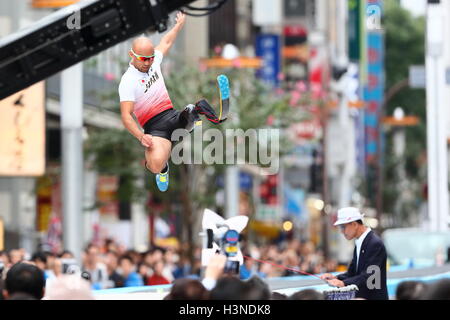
(158, 154)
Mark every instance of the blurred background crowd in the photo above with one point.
(43, 275)
(332, 77)
(110, 265)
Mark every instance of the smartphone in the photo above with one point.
(70, 266)
(231, 267)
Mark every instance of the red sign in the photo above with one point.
(308, 129)
(107, 194)
(295, 31)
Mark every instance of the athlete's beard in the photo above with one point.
(143, 69)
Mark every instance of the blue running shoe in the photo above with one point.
(162, 180)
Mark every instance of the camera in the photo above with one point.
(70, 266)
(231, 267)
(230, 247)
(220, 235)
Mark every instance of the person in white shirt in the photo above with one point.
(143, 93)
(369, 258)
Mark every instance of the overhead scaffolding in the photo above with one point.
(54, 44)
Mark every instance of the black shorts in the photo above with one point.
(163, 124)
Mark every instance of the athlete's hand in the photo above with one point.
(146, 140)
(180, 18)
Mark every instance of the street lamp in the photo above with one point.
(398, 122)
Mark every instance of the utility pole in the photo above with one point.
(344, 120)
(72, 157)
(436, 117)
(231, 191)
(318, 41)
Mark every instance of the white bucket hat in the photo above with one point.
(347, 215)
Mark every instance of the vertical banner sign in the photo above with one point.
(107, 187)
(268, 49)
(360, 143)
(374, 93)
(2, 235)
(374, 86)
(44, 187)
(22, 132)
(296, 54)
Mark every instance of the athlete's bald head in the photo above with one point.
(143, 46)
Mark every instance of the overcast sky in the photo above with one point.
(417, 7)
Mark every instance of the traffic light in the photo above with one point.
(268, 190)
(316, 173)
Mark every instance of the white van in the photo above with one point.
(417, 247)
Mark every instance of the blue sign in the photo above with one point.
(268, 48)
(373, 93)
(245, 181)
(293, 201)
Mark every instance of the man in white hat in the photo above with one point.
(368, 267)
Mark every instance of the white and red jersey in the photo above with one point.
(146, 89)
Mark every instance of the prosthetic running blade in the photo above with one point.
(204, 108)
(224, 91)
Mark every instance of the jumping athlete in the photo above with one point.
(143, 93)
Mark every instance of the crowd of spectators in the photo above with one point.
(45, 275)
(110, 265)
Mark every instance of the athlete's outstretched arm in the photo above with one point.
(126, 110)
(169, 38)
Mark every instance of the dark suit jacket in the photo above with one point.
(373, 253)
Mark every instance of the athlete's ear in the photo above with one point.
(130, 54)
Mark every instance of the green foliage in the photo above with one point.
(405, 46)
(251, 104)
(116, 152)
